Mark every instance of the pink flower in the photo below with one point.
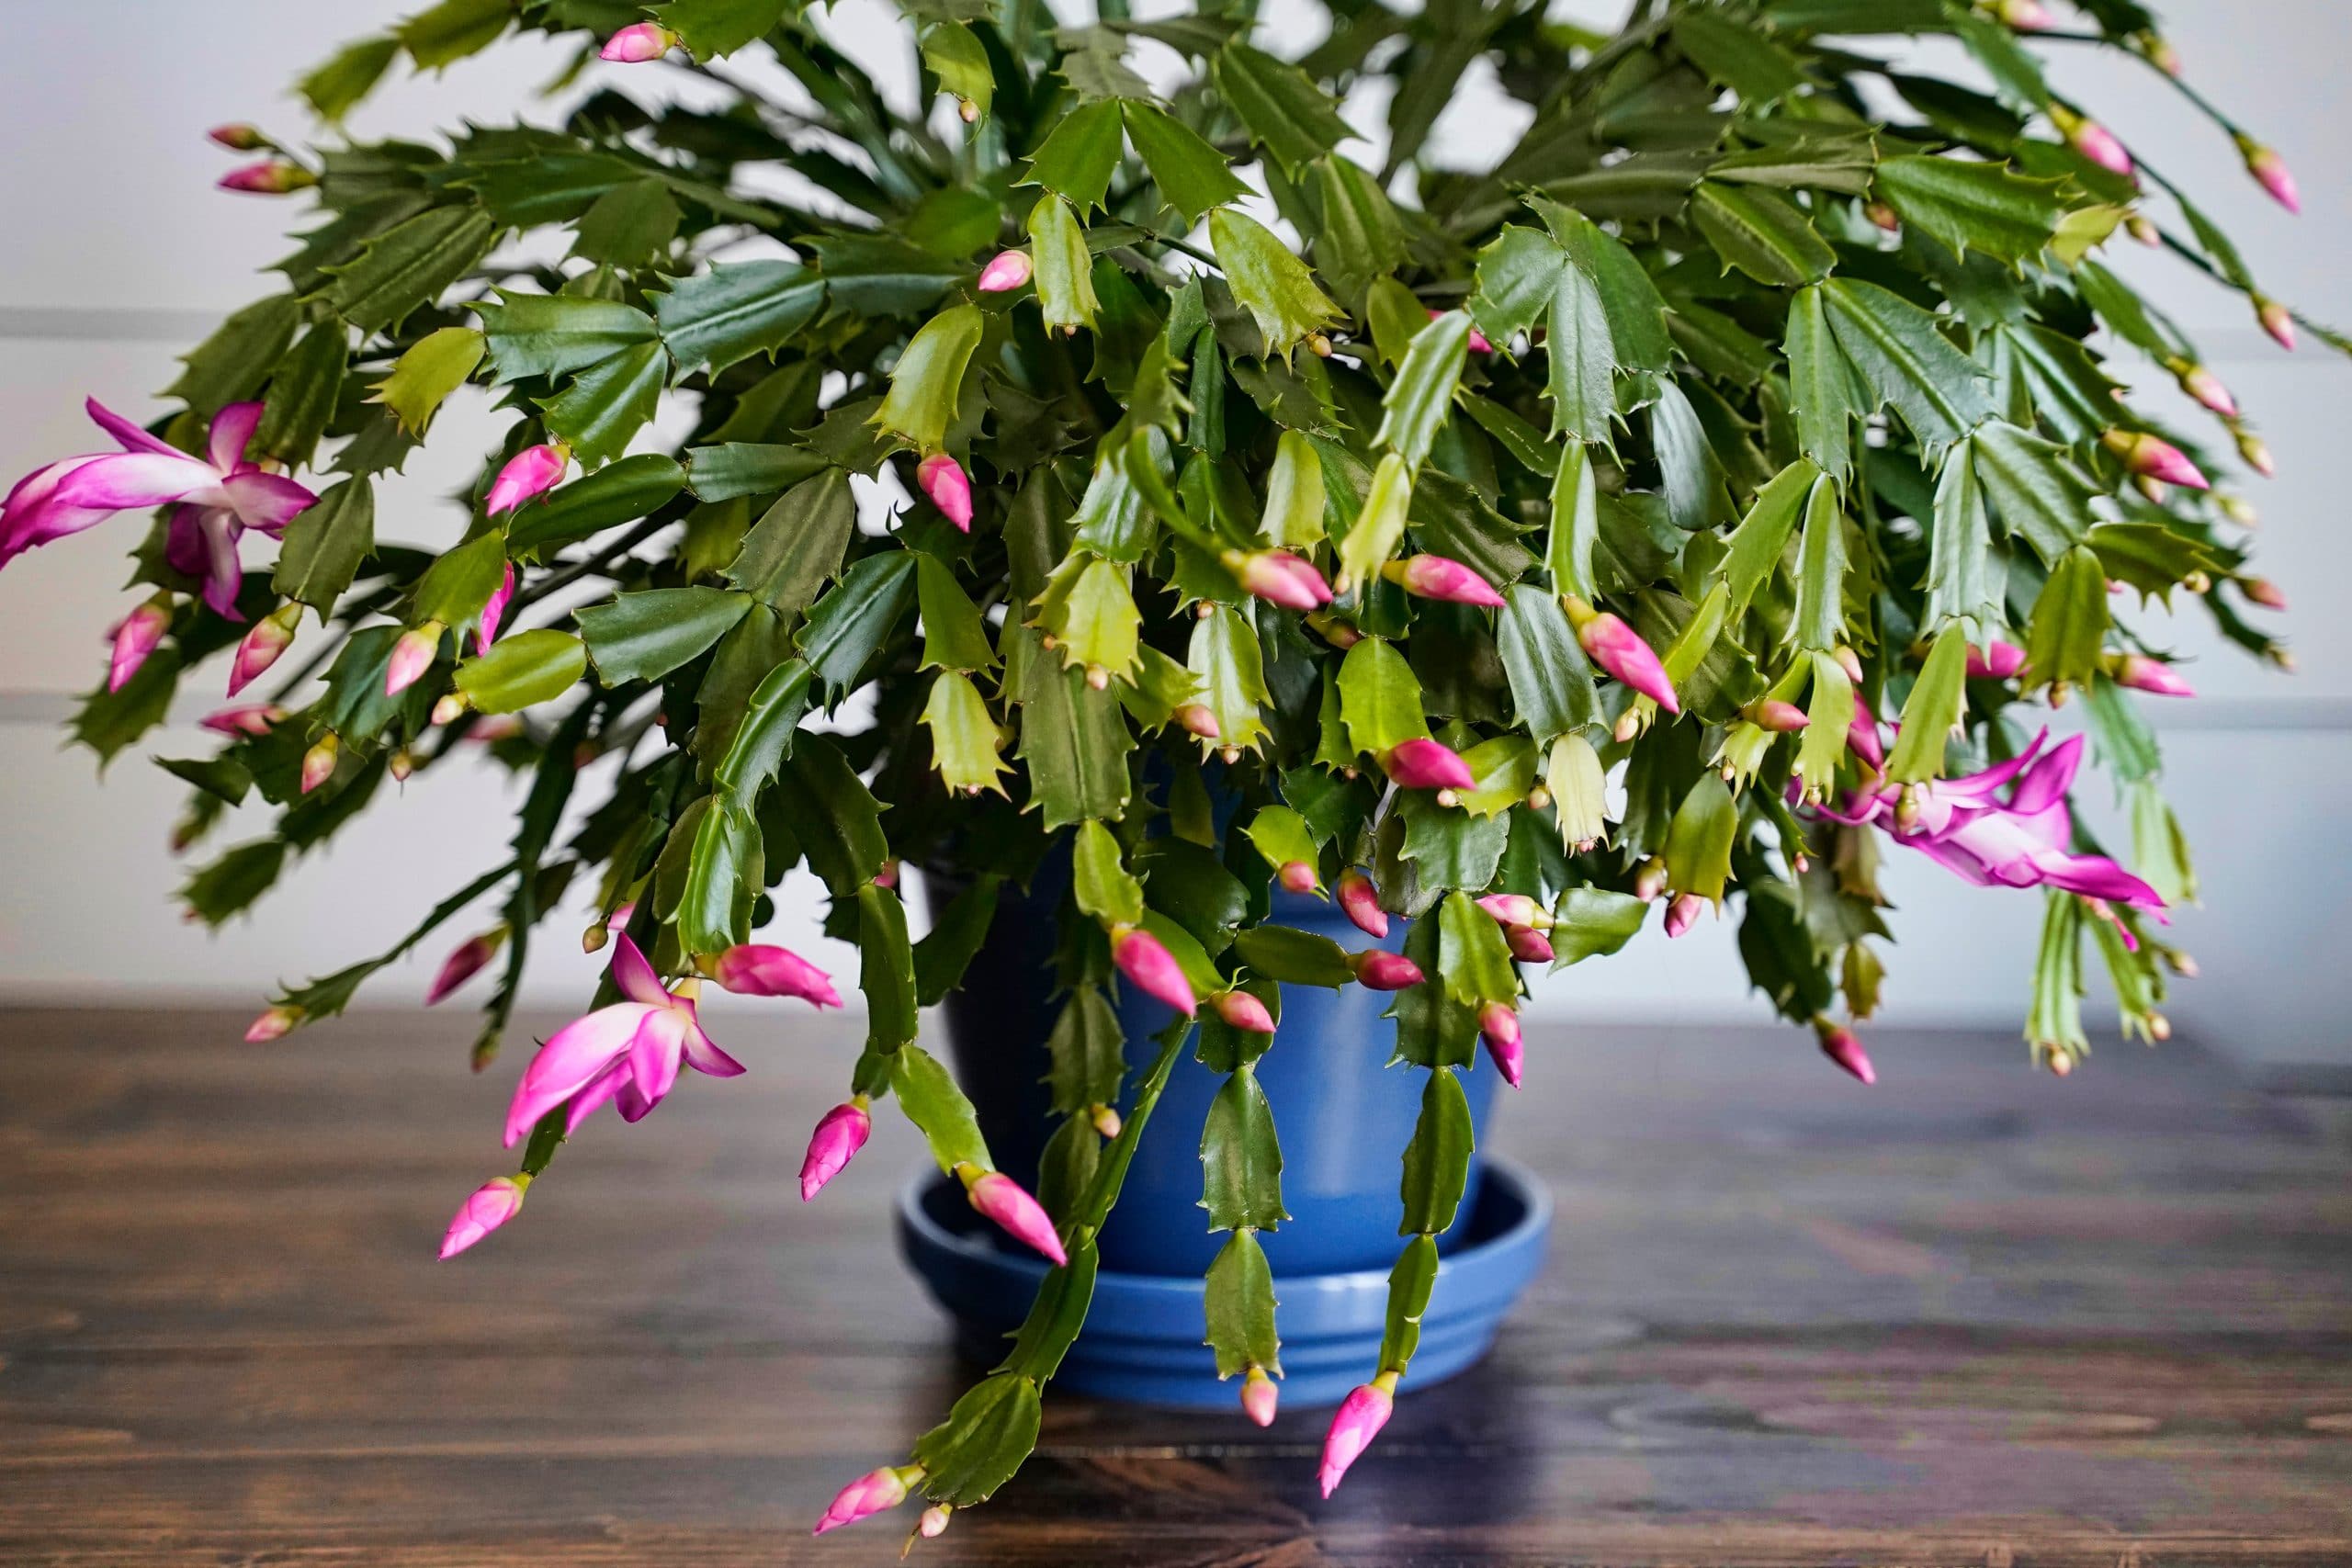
(1779, 717)
(1197, 720)
(137, 637)
(870, 1494)
(1516, 909)
(1435, 577)
(1006, 271)
(950, 488)
(2278, 320)
(533, 471)
(2154, 676)
(1380, 970)
(1682, 914)
(630, 1053)
(412, 657)
(1000, 1198)
(1258, 1397)
(1359, 1419)
(2271, 172)
(1145, 960)
(1499, 1027)
(493, 612)
(638, 42)
(1280, 578)
(2093, 141)
(758, 969)
(1361, 902)
(1999, 661)
(1619, 648)
(934, 1523)
(1840, 1046)
(317, 762)
(245, 720)
(271, 176)
(259, 649)
(489, 1206)
(1428, 764)
(1479, 341)
(217, 498)
(274, 1024)
(840, 1134)
(2146, 455)
(2024, 841)
(1529, 946)
(465, 960)
(1241, 1010)
(1297, 877)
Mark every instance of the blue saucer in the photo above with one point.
(1142, 1341)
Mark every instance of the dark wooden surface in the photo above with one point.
(1975, 1315)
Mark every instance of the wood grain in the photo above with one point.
(1972, 1316)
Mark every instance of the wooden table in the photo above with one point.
(1974, 1315)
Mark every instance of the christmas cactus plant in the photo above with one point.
(1716, 488)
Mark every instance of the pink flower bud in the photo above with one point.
(412, 657)
(2271, 172)
(137, 637)
(1006, 271)
(2024, 16)
(274, 1024)
(270, 637)
(237, 138)
(493, 612)
(1999, 661)
(1435, 577)
(1883, 218)
(1197, 720)
(758, 969)
(2093, 141)
(1243, 1012)
(1000, 1197)
(2206, 388)
(950, 488)
(2257, 453)
(1842, 1048)
(1359, 901)
(245, 720)
(465, 960)
(271, 176)
(1423, 763)
(2160, 52)
(638, 42)
(1479, 341)
(889, 875)
(489, 1206)
(2263, 592)
(1280, 578)
(870, 1494)
(1682, 914)
(1380, 970)
(934, 1523)
(1529, 946)
(1359, 1419)
(2143, 673)
(1499, 1027)
(840, 1134)
(1517, 909)
(1143, 959)
(1779, 717)
(317, 762)
(2278, 320)
(2142, 454)
(1297, 877)
(533, 471)
(1258, 1397)
(1619, 648)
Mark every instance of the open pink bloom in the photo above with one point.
(1428, 764)
(1006, 271)
(1479, 341)
(1361, 902)
(2022, 841)
(1529, 946)
(1997, 662)
(762, 969)
(493, 612)
(1517, 909)
(1145, 960)
(1023, 1218)
(2153, 676)
(2271, 172)
(840, 1134)
(1682, 914)
(1435, 577)
(271, 176)
(1360, 1417)
(638, 42)
(259, 649)
(869, 1494)
(630, 1053)
(533, 471)
(489, 1206)
(1840, 1046)
(412, 657)
(1280, 578)
(2151, 458)
(136, 638)
(217, 496)
(1241, 1010)
(246, 720)
(1499, 1027)
(465, 960)
(950, 488)
(1619, 648)
(1260, 1397)
(1380, 970)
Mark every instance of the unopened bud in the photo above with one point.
(2278, 320)
(1258, 1397)
(1882, 216)
(401, 765)
(451, 708)
(1319, 344)
(317, 762)
(274, 1024)
(1105, 1119)
(934, 1523)
(2263, 592)
(2257, 453)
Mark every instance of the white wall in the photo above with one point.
(119, 252)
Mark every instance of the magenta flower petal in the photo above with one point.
(840, 1134)
(1428, 764)
(493, 612)
(1359, 1419)
(233, 431)
(1001, 1198)
(703, 1056)
(761, 970)
(1361, 902)
(573, 1056)
(1146, 960)
(636, 977)
(489, 1206)
(1998, 661)
(531, 472)
(1006, 271)
(131, 436)
(122, 480)
(1683, 914)
(1435, 577)
(656, 1053)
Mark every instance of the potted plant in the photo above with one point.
(1712, 492)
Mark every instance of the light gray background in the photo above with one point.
(119, 253)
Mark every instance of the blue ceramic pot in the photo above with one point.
(1343, 1115)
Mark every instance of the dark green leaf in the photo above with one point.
(796, 547)
(1437, 1162)
(609, 403)
(981, 1443)
(1241, 1161)
(1191, 176)
(325, 544)
(932, 1102)
(846, 628)
(886, 974)
(618, 492)
(1285, 112)
(644, 636)
(409, 265)
(1592, 922)
(735, 310)
(1240, 1308)
(1551, 684)
(1293, 957)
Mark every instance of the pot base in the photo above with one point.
(1142, 1341)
